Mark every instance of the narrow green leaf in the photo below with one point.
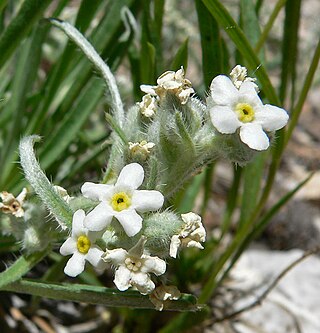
(20, 26)
(99, 64)
(304, 92)
(249, 21)
(211, 44)
(97, 295)
(68, 129)
(113, 124)
(181, 57)
(20, 267)
(252, 179)
(158, 17)
(290, 49)
(232, 199)
(23, 81)
(269, 24)
(188, 196)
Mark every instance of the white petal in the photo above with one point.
(222, 90)
(174, 246)
(94, 255)
(248, 88)
(154, 265)
(116, 256)
(96, 191)
(77, 223)
(193, 243)
(99, 218)
(142, 282)
(253, 135)
(122, 278)
(271, 117)
(68, 247)
(144, 201)
(22, 195)
(131, 176)
(75, 264)
(224, 119)
(148, 89)
(130, 220)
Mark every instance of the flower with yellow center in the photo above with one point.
(122, 201)
(134, 268)
(81, 245)
(233, 109)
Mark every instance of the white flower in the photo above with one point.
(141, 150)
(11, 204)
(121, 201)
(134, 268)
(191, 234)
(232, 109)
(239, 75)
(81, 246)
(162, 294)
(173, 82)
(148, 106)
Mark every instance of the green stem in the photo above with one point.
(97, 295)
(269, 25)
(304, 92)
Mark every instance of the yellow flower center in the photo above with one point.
(83, 244)
(133, 265)
(120, 201)
(245, 112)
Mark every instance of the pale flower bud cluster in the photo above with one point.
(169, 82)
(11, 204)
(239, 74)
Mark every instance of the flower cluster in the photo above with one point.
(122, 206)
(126, 219)
(123, 222)
(169, 82)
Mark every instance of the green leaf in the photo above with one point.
(290, 49)
(211, 44)
(60, 139)
(26, 72)
(97, 295)
(20, 267)
(296, 112)
(252, 178)
(269, 24)
(181, 57)
(249, 21)
(219, 12)
(20, 26)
